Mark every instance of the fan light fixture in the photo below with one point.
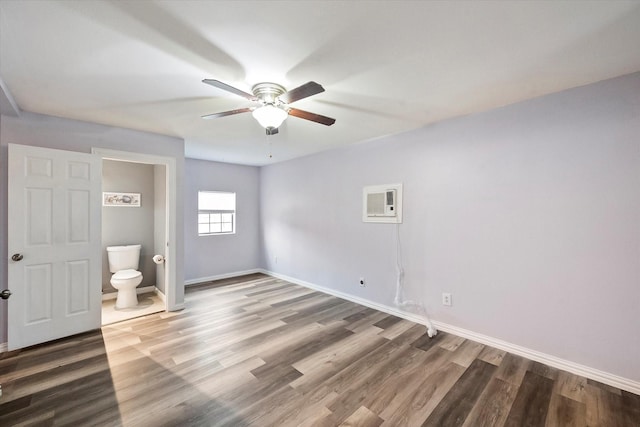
(270, 116)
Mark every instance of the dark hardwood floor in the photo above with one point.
(260, 351)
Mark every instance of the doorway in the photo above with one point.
(164, 229)
(56, 246)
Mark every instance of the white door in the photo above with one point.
(54, 244)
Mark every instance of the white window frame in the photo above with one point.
(214, 214)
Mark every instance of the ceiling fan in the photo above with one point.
(274, 103)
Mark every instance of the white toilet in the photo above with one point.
(123, 261)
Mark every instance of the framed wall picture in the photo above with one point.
(121, 199)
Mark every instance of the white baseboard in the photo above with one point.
(177, 307)
(199, 280)
(547, 359)
(114, 295)
(160, 295)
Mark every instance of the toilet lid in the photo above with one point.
(126, 274)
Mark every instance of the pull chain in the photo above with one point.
(269, 142)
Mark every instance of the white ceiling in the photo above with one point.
(387, 66)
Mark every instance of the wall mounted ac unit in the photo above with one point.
(382, 203)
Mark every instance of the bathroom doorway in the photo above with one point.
(147, 222)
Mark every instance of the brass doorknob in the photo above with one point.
(17, 257)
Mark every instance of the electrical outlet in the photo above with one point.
(362, 284)
(446, 298)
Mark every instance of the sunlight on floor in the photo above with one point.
(147, 304)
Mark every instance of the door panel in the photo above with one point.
(39, 211)
(54, 222)
(79, 216)
(38, 284)
(77, 293)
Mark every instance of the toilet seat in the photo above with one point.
(126, 274)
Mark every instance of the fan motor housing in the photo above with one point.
(267, 92)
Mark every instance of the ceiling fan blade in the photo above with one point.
(301, 92)
(224, 86)
(328, 121)
(227, 113)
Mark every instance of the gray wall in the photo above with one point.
(529, 215)
(210, 256)
(129, 225)
(53, 132)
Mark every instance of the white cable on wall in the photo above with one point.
(399, 300)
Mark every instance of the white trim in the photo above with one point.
(9, 106)
(547, 359)
(113, 295)
(160, 295)
(199, 280)
(4, 347)
(171, 282)
(556, 362)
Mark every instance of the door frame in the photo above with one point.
(169, 163)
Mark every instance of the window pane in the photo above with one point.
(216, 228)
(203, 218)
(216, 201)
(227, 227)
(203, 228)
(215, 218)
(227, 217)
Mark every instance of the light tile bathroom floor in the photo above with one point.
(147, 304)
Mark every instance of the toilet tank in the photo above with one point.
(123, 257)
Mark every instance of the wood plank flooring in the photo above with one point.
(258, 351)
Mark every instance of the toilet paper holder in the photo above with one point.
(158, 259)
